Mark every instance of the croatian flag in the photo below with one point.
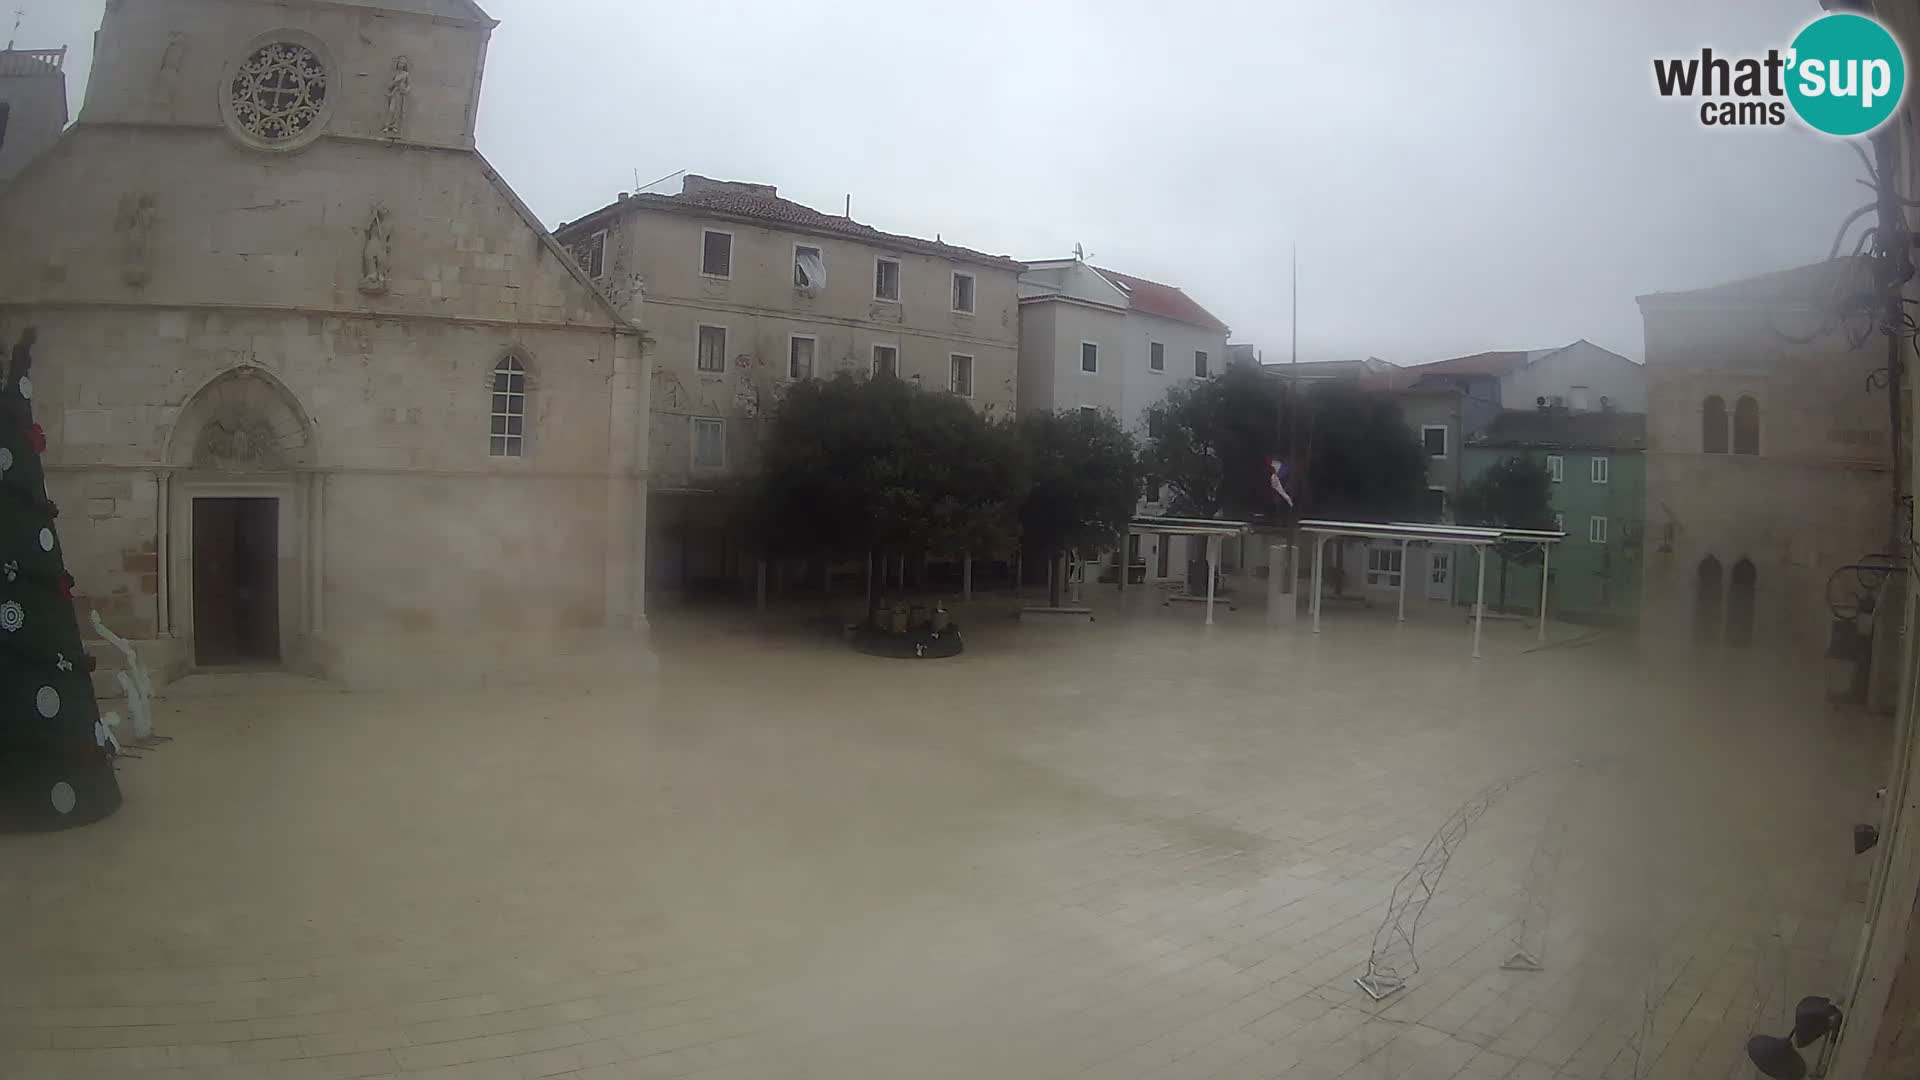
(1276, 478)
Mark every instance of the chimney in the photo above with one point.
(621, 197)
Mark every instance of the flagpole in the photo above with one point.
(1294, 319)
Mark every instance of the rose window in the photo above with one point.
(279, 92)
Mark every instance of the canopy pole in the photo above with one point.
(1479, 599)
(1125, 560)
(1403, 581)
(1546, 564)
(1213, 541)
(1319, 553)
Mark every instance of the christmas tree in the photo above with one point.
(56, 756)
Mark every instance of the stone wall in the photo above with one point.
(1817, 495)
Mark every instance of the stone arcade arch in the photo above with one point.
(242, 506)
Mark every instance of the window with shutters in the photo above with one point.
(712, 351)
(716, 253)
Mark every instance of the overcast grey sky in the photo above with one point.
(1459, 177)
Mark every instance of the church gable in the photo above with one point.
(278, 75)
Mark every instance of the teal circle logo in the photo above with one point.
(1847, 75)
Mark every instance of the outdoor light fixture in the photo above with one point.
(1778, 1056)
(1864, 838)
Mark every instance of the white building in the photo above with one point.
(1092, 338)
(1095, 338)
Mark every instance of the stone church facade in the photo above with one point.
(319, 391)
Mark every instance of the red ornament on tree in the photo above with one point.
(66, 585)
(37, 438)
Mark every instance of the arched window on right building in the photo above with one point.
(1746, 425)
(1713, 425)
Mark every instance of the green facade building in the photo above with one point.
(1598, 464)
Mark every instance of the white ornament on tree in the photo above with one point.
(46, 539)
(47, 701)
(26, 387)
(63, 798)
(60, 661)
(6, 459)
(12, 569)
(12, 616)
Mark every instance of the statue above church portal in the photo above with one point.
(398, 86)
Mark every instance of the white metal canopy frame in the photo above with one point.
(1408, 533)
(1212, 528)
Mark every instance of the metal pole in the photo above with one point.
(1319, 552)
(1212, 542)
(1479, 599)
(1125, 560)
(1403, 581)
(1546, 564)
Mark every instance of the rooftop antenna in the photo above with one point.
(1079, 253)
(18, 14)
(639, 187)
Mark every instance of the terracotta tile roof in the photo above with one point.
(1559, 429)
(32, 61)
(1166, 301)
(1505, 362)
(761, 202)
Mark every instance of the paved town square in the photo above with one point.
(1140, 847)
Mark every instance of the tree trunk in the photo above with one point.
(873, 590)
(1056, 566)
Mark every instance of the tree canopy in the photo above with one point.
(1083, 474)
(1514, 493)
(1209, 441)
(852, 465)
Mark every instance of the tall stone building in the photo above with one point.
(33, 104)
(319, 390)
(1768, 460)
(743, 292)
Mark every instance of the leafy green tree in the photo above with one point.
(1515, 493)
(1209, 442)
(1084, 476)
(878, 466)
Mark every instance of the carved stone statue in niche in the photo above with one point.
(239, 439)
(377, 254)
(166, 81)
(398, 86)
(136, 238)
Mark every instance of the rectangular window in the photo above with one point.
(1156, 356)
(800, 357)
(962, 293)
(809, 267)
(1383, 567)
(1200, 369)
(716, 253)
(1434, 437)
(709, 442)
(712, 352)
(591, 254)
(1597, 529)
(886, 361)
(886, 279)
(1089, 356)
(1597, 470)
(1556, 467)
(960, 374)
